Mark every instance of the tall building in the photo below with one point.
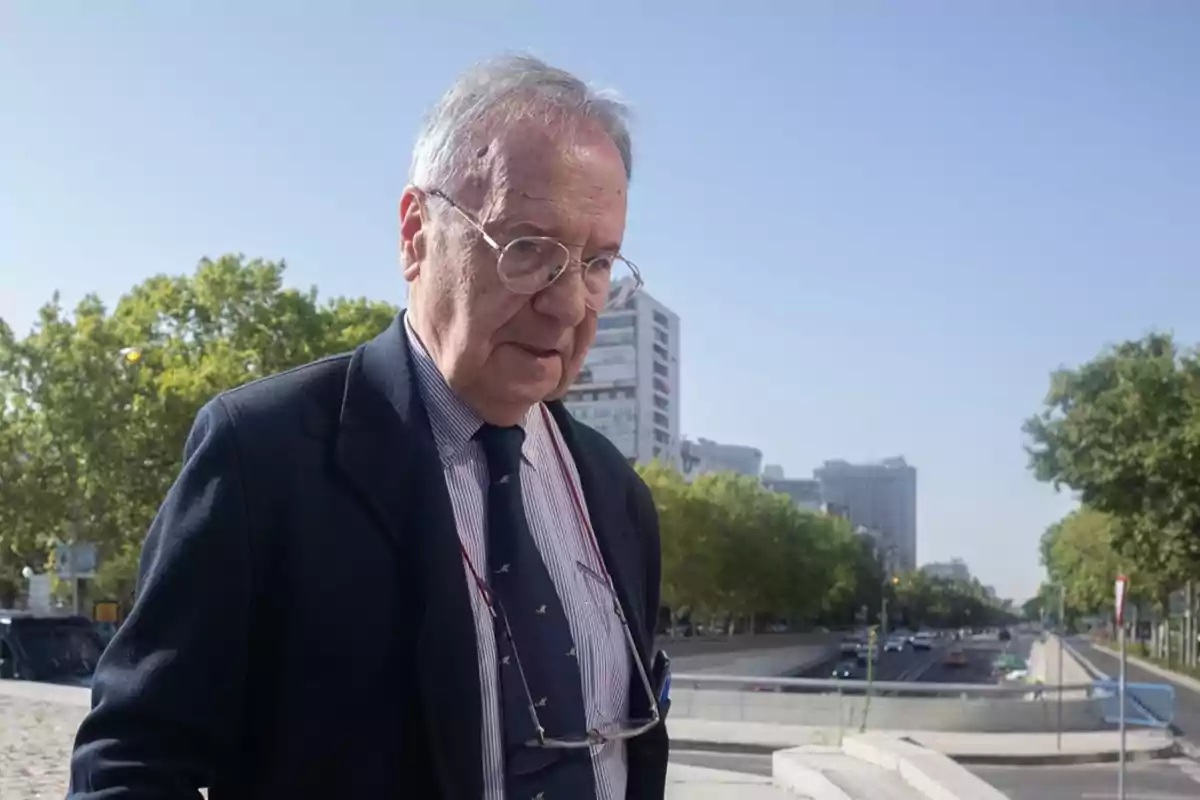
(952, 570)
(628, 388)
(705, 456)
(804, 492)
(881, 496)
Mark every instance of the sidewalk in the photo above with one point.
(701, 783)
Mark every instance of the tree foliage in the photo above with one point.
(1123, 431)
(1080, 556)
(95, 405)
(732, 547)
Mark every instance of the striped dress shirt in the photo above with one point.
(603, 653)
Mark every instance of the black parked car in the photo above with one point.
(49, 649)
(1004, 635)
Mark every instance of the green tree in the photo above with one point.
(1079, 554)
(97, 405)
(1123, 431)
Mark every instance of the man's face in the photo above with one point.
(504, 352)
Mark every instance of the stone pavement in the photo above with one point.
(701, 783)
(35, 741)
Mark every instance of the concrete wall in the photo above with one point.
(975, 715)
(1044, 665)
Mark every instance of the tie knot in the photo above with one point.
(501, 448)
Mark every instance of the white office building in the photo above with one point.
(706, 456)
(952, 570)
(880, 496)
(628, 388)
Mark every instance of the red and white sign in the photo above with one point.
(1122, 589)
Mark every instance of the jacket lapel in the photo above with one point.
(608, 508)
(386, 448)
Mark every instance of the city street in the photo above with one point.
(1187, 702)
(1176, 779)
(910, 665)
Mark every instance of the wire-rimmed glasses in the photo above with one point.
(528, 264)
(601, 734)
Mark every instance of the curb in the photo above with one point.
(928, 772)
(740, 748)
(1068, 759)
(805, 781)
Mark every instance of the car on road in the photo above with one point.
(867, 652)
(955, 657)
(50, 649)
(845, 671)
(1004, 635)
(850, 645)
(923, 641)
(894, 644)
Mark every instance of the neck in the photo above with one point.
(496, 413)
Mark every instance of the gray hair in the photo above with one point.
(507, 89)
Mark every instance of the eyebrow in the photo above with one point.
(526, 227)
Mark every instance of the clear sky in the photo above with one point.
(882, 224)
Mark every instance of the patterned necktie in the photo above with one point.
(541, 636)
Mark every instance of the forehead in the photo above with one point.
(568, 181)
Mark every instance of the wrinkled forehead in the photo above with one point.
(566, 179)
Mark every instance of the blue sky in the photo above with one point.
(882, 228)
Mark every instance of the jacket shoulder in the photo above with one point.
(307, 397)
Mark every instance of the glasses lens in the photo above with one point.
(610, 283)
(531, 263)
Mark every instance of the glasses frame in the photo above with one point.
(500, 250)
(628, 729)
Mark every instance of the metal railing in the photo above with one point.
(753, 683)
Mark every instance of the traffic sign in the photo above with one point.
(1122, 589)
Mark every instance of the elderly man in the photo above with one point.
(408, 572)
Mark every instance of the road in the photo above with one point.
(1187, 702)
(927, 666)
(921, 666)
(1174, 779)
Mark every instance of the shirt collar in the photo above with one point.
(454, 423)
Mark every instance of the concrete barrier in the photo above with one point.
(845, 712)
(766, 656)
(1044, 659)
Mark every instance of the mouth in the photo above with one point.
(537, 352)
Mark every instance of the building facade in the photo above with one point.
(881, 496)
(952, 570)
(804, 492)
(704, 456)
(628, 388)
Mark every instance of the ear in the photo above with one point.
(412, 232)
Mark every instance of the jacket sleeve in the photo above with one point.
(167, 698)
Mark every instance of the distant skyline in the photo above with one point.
(882, 225)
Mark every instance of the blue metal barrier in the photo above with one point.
(1147, 704)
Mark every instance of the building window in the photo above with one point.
(661, 337)
(657, 451)
(661, 352)
(661, 403)
(661, 369)
(661, 419)
(662, 437)
(662, 319)
(611, 322)
(662, 386)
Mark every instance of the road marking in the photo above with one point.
(1136, 796)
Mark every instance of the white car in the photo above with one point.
(894, 644)
(923, 641)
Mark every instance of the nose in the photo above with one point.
(565, 299)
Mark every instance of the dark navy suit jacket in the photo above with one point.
(302, 626)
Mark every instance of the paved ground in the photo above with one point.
(1178, 779)
(35, 745)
